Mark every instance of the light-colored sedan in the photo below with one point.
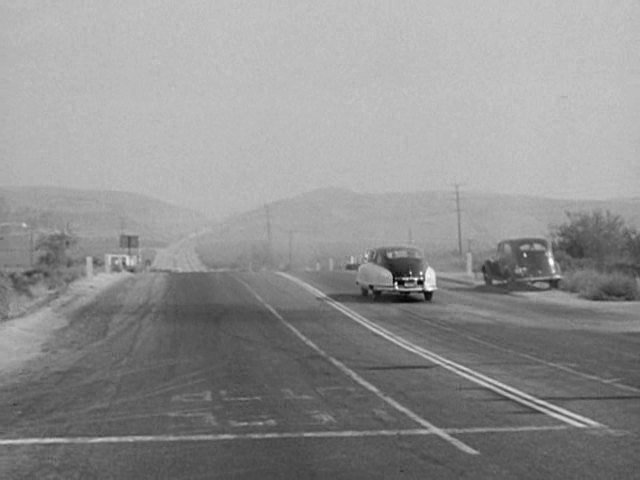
(396, 269)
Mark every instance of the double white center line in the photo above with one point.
(358, 379)
(500, 388)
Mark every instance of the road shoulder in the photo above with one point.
(22, 338)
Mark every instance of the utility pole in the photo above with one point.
(457, 187)
(290, 249)
(269, 239)
(31, 246)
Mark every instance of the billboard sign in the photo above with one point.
(129, 241)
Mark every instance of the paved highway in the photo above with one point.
(197, 375)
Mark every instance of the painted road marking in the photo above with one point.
(19, 442)
(500, 388)
(361, 381)
(264, 422)
(339, 389)
(193, 397)
(202, 417)
(566, 367)
(323, 418)
(226, 398)
(289, 395)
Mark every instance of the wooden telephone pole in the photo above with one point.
(458, 213)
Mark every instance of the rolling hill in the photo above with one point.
(96, 217)
(338, 223)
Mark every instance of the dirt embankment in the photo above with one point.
(21, 338)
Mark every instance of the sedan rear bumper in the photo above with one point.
(545, 278)
(402, 289)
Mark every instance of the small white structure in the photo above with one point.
(116, 262)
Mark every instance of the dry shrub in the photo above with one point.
(594, 285)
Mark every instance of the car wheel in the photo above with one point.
(364, 292)
(428, 296)
(554, 284)
(487, 278)
(376, 294)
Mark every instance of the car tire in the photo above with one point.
(487, 278)
(364, 292)
(428, 296)
(554, 284)
(376, 294)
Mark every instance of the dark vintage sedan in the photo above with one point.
(525, 260)
(396, 269)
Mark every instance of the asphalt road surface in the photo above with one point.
(245, 375)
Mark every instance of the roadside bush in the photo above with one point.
(54, 249)
(598, 239)
(594, 285)
(22, 282)
(15, 291)
(600, 236)
(61, 277)
(570, 264)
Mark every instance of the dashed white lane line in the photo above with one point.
(361, 381)
(500, 388)
(222, 437)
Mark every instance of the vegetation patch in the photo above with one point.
(600, 256)
(19, 291)
(594, 285)
(54, 270)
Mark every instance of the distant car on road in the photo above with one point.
(523, 260)
(396, 269)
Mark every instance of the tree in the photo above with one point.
(632, 237)
(54, 248)
(600, 236)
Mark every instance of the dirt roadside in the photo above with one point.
(21, 338)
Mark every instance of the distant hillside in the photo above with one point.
(97, 217)
(337, 223)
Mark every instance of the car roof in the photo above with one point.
(524, 239)
(397, 247)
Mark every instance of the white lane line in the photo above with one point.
(500, 388)
(361, 381)
(221, 437)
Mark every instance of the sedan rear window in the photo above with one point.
(533, 247)
(403, 253)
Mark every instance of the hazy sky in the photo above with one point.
(224, 105)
